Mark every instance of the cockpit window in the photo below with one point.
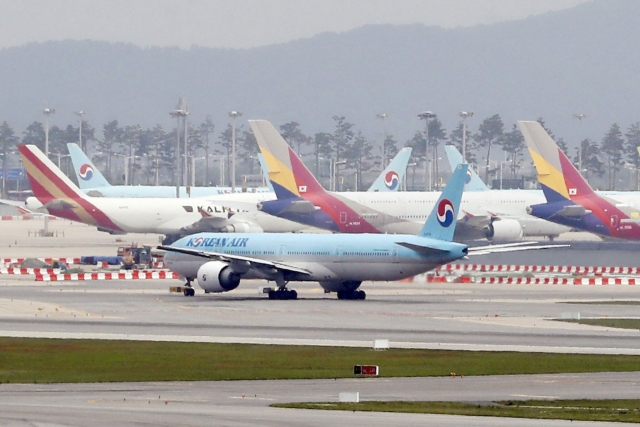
(188, 208)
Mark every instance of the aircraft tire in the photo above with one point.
(189, 292)
(361, 295)
(293, 294)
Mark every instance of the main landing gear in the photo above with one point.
(352, 295)
(282, 293)
(188, 289)
(349, 290)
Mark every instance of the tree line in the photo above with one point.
(148, 155)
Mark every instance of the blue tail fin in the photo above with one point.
(392, 177)
(87, 174)
(474, 183)
(441, 223)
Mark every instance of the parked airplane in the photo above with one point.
(172, 217)
(569, 198)
(531, 226)
(92, 182)
(302, 199)
(339, 262)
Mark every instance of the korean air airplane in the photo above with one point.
(569, 198)
(340, 263)
(92, 182)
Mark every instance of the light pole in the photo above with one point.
(81, 115)
(382, 118)
(426, 116)
(335, 171)
(580, 117)
(234, 115)
(465, 115)
(47, 112)
(180, 111)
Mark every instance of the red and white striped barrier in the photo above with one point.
(593, 281)
(21, 271)
(562, 269)
(68, 261)
(130, 275)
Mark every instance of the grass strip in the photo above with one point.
(611, 323)
(580, 410)
(29, 360)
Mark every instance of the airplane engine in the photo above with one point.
(217, 276)
(504, 231)
(241, 227)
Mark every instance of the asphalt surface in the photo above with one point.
(418, 315)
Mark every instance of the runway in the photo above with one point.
(246, 403)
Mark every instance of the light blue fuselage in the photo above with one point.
(328, 257)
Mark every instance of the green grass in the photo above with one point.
(583, 410)
(28, 360)
(611, 323)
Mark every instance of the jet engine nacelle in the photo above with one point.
(504, 231)
(217, 276)
(241, 227)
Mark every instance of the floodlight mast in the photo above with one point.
(465, 115)
(426, 116)
(180, 111)
(81, 115)
(47, 112)
(382, 117)
(234, 115)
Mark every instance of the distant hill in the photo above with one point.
(581, 60)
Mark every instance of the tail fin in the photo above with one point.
(474, 183)
(87, 174)
(441, 223)
(288, 175)
(59, 195)
(48, 183)
(265, 171)
(560, 180)
(392, 177)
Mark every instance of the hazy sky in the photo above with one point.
(240, 23)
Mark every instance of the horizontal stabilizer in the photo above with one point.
(423, 250)
(59, 205)
(573, 211)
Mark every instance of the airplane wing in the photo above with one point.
(253, 262)
(511, 247)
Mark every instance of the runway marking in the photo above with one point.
(533, 396)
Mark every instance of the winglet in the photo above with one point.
(392, 177)
(474, 183)
(86, 172)
(441, 223)
(559, 179)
